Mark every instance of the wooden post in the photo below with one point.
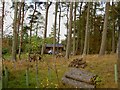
(6, 78)
(116, 77)
(27, 78)
(49, 74)
(0, 84)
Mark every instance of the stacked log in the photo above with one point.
(76, 84)
(78, 63)
(79, 78)
(60, 55)
(34, 57)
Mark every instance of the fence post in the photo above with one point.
(116, 76)
(27, 78)
(6, 78)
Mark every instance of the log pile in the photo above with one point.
(79, 78)
(60, 55)
(34, 57)
(78, 63)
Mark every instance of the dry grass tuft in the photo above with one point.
(102, 66)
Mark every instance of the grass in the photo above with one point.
(0, 84)
(102, 66)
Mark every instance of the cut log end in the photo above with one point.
(74, 83)
(78, 63)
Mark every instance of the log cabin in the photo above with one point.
(58, 47)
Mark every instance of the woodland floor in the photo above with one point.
(102, 66)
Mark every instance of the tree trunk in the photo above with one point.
(31, 25)
(19, 17)
(113, 38)
(1, 38)
(118, 61)
(54, 40)
(74, 34)
(70, 32)
(1, 27)
(21, 32)
(37, 30)
(14, 33)
(45, 31)
(104, 34)
(59, 26)
(3, 10)
(118, 64)
(90, 28)
(78, 33)
(18, 22)
(113, 31)
(67, 25)
(94, 31)
(81, 35)
(94, 16)
(86, 32)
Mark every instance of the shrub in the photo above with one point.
(5, 50)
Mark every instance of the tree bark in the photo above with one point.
(78, 33)
(104, 34)
(31, 25)
(37, 29)
(113, 31)
(86, 32)
(81, 35)
(82, 76)
(1, 27)
(18, 24)
(113, 38)
(94, 12)
(45, 31)
(3, 10)
(118, 61)
(19, 17)
(21, 32)
(54, 40)
(14, 33)
(1, 38)
(90, 28)
(74, 34)
(59, 25)
(70, 32)
(67, 24)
